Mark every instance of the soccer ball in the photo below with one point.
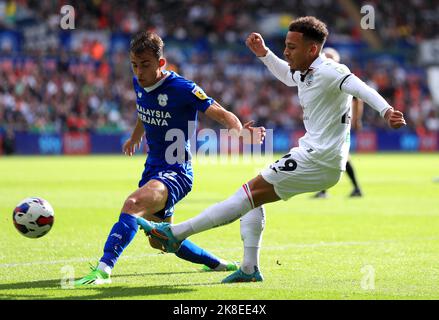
(33, 217)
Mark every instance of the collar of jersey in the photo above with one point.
(319, 60)
(159, 83)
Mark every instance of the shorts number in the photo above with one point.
(170, 175)
(289, 165)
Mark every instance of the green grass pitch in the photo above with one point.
(382, 246)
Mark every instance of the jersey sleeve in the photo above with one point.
(357, 88)
(338, 77)
(279, 68)
(197, 98)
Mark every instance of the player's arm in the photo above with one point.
(357, 113)
(230, 121)
(133, 142)
(278, 67)
(352, 85)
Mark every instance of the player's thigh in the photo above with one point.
(261, 191)
(147, 200)
(295, 173)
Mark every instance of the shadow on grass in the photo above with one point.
(152, 274)
(101, 292)
(119, 292)
(109, 291)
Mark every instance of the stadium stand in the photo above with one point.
(54, 81)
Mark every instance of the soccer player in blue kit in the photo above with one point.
(165, 101)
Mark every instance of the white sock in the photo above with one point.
(219, 214)
(104, 267)
(252, 226)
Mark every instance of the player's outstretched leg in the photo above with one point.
(185, 249)
(221, 213)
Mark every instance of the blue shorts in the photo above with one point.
(178, 178)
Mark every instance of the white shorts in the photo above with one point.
(295, 173)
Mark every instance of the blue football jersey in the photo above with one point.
(171, 104)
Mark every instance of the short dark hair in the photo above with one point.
(311, 28)
(146, 40)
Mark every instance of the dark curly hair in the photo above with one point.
(145, 40)
(311, 28)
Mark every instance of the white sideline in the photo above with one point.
(264, 248)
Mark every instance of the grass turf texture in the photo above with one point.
(382, 246)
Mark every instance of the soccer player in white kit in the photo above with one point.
(357, 112)
(325, 90)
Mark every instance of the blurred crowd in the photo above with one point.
(57, 96)
(91, 90)
(226, 19)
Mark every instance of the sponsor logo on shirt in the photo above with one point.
(199, 93)
(153, 117)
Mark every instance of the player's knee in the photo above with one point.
(131, 205)
(148, 203)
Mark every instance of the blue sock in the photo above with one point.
(191, 252)
(120, 236)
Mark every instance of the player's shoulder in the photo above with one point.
(179, 81)
(331, 69)
(189, 86)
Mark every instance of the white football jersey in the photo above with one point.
(326, 108)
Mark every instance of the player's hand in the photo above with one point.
(131, 145)
(252, 135)
(256, 44)
(395, 119)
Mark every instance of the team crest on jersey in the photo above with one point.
(139, 94)
(162, 99)
(309, 80)
(199, 93)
